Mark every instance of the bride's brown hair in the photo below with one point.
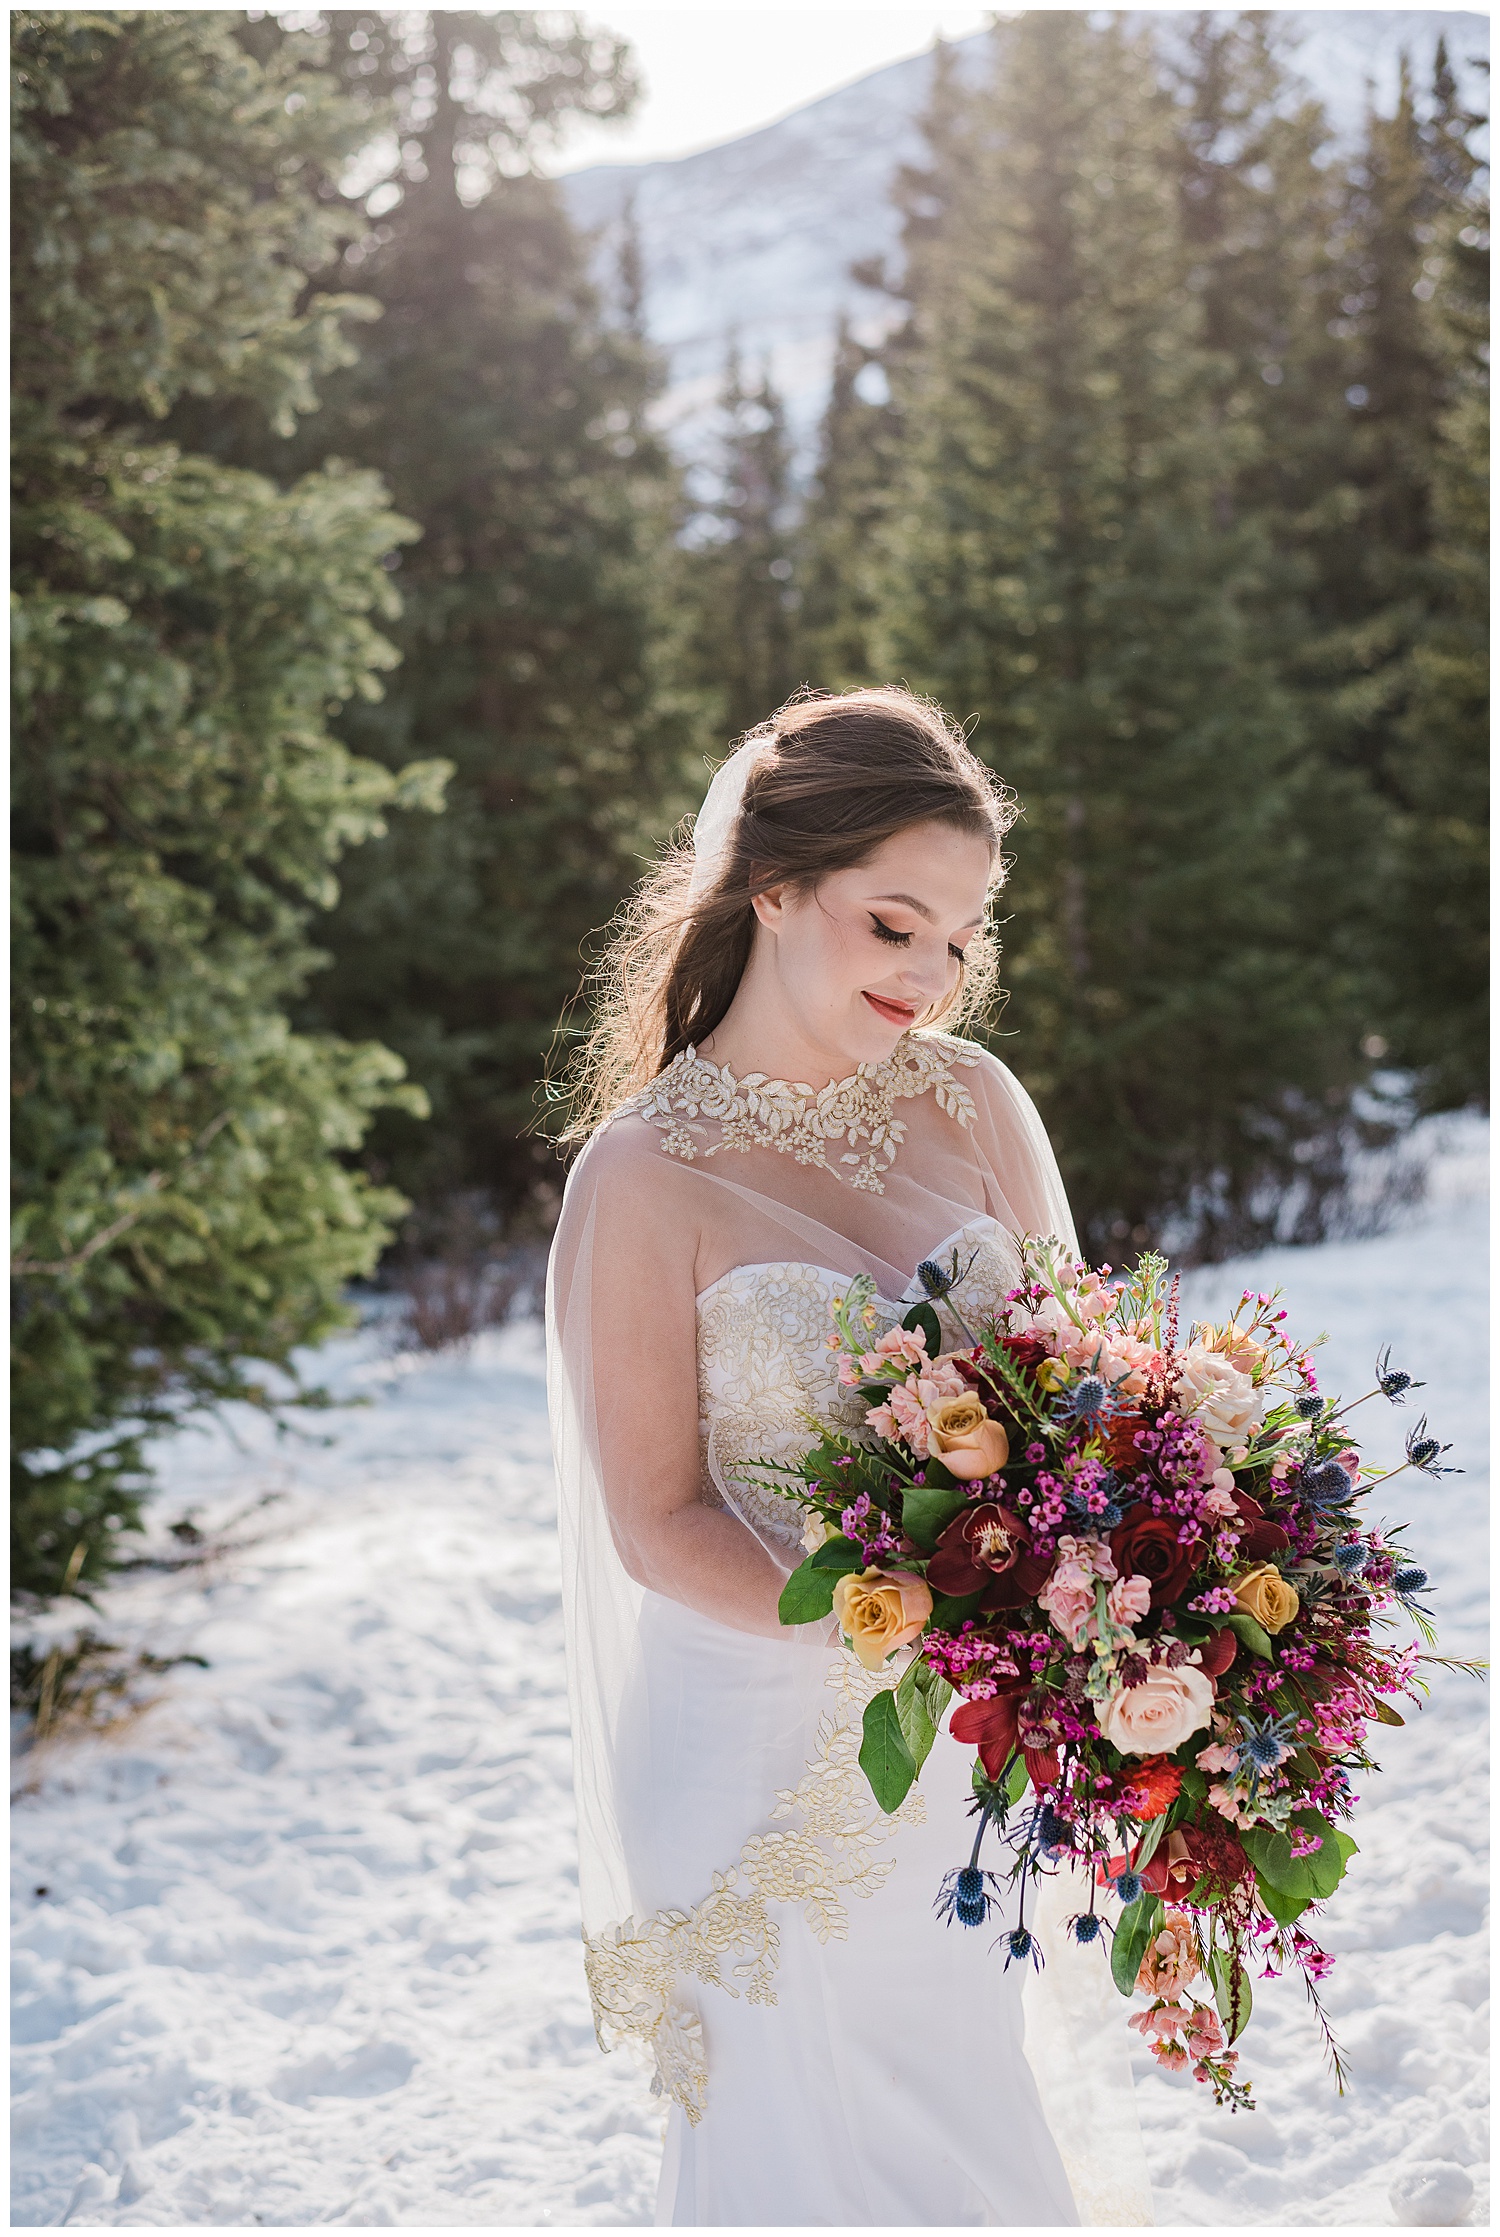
(835, 775)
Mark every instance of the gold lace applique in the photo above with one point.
(760, 1113)
(634, 1969)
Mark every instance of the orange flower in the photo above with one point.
(1154, 1781)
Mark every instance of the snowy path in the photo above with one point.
(307, 1951)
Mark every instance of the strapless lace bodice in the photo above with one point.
(764, 1366)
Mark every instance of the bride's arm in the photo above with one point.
(644, 1334)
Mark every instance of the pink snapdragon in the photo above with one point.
(1128, 1601)
(906, 1413)
(1069, 1593)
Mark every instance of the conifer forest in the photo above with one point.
(368, 638)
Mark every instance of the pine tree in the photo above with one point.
(839, 532)
(1396, 671)
(1063, 565)
(510, 417)
(738, 578)
(186, 1202)
(1435, 944)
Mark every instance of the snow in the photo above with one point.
(308, 1950)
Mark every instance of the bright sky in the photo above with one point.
(713, 72)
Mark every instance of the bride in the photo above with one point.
(771, 1105)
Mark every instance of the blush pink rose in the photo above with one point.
(1155, 1717)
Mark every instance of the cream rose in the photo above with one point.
(1156, 1717)
(1223, 1401)
(965, 1439)
(881, 1610)
(1265, 1594)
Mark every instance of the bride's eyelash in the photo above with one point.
(903, 939)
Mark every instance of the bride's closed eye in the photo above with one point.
(896, 939)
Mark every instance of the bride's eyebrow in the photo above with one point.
(922, 909)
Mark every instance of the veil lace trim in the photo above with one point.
(633, 1969)
(759, 1113)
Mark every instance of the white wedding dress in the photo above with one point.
(833, 2054)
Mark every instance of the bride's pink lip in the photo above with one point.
(894, 1013)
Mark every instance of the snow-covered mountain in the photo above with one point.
(754, 239)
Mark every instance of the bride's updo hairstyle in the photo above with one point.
(833, 776)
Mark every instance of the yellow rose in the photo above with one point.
(965, 1440)
(1265, 1594)
(880, 1611)
(1052, 1374)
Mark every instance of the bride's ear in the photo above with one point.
(770, 905)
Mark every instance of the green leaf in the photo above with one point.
(1284, 1909)
(1303, 1878)
(1137, 1923)
(807, 1595)
(1150, 1842)
(884, 1757)
(838, 1554)
(950, 1609)
(1016, 1779)
(1231, 1990)
(923, 1317)
(914, 1711)
(1254, 1635)
(926, 1511)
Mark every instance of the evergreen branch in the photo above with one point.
(154, 1181)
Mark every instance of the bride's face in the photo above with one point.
(870, 951)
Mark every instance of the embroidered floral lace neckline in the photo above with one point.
(849, 1127)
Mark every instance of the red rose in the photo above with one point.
(1026, 1351)
(1146, 1545)
(987, 1548)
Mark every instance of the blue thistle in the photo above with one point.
(1392, 1383)
(1087, 1399)
(1110, 1515)
(1351, 1557)
(1130, 1887)
(1424, 1452)
(1053, 1833)
(1264, 1745)
(1407, 1581)
(1021, 1943)
(1326, 1485)
(966, 1895)
(1309, 1405)
(1086, 1927)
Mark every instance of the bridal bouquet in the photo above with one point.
(1139, 1558)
